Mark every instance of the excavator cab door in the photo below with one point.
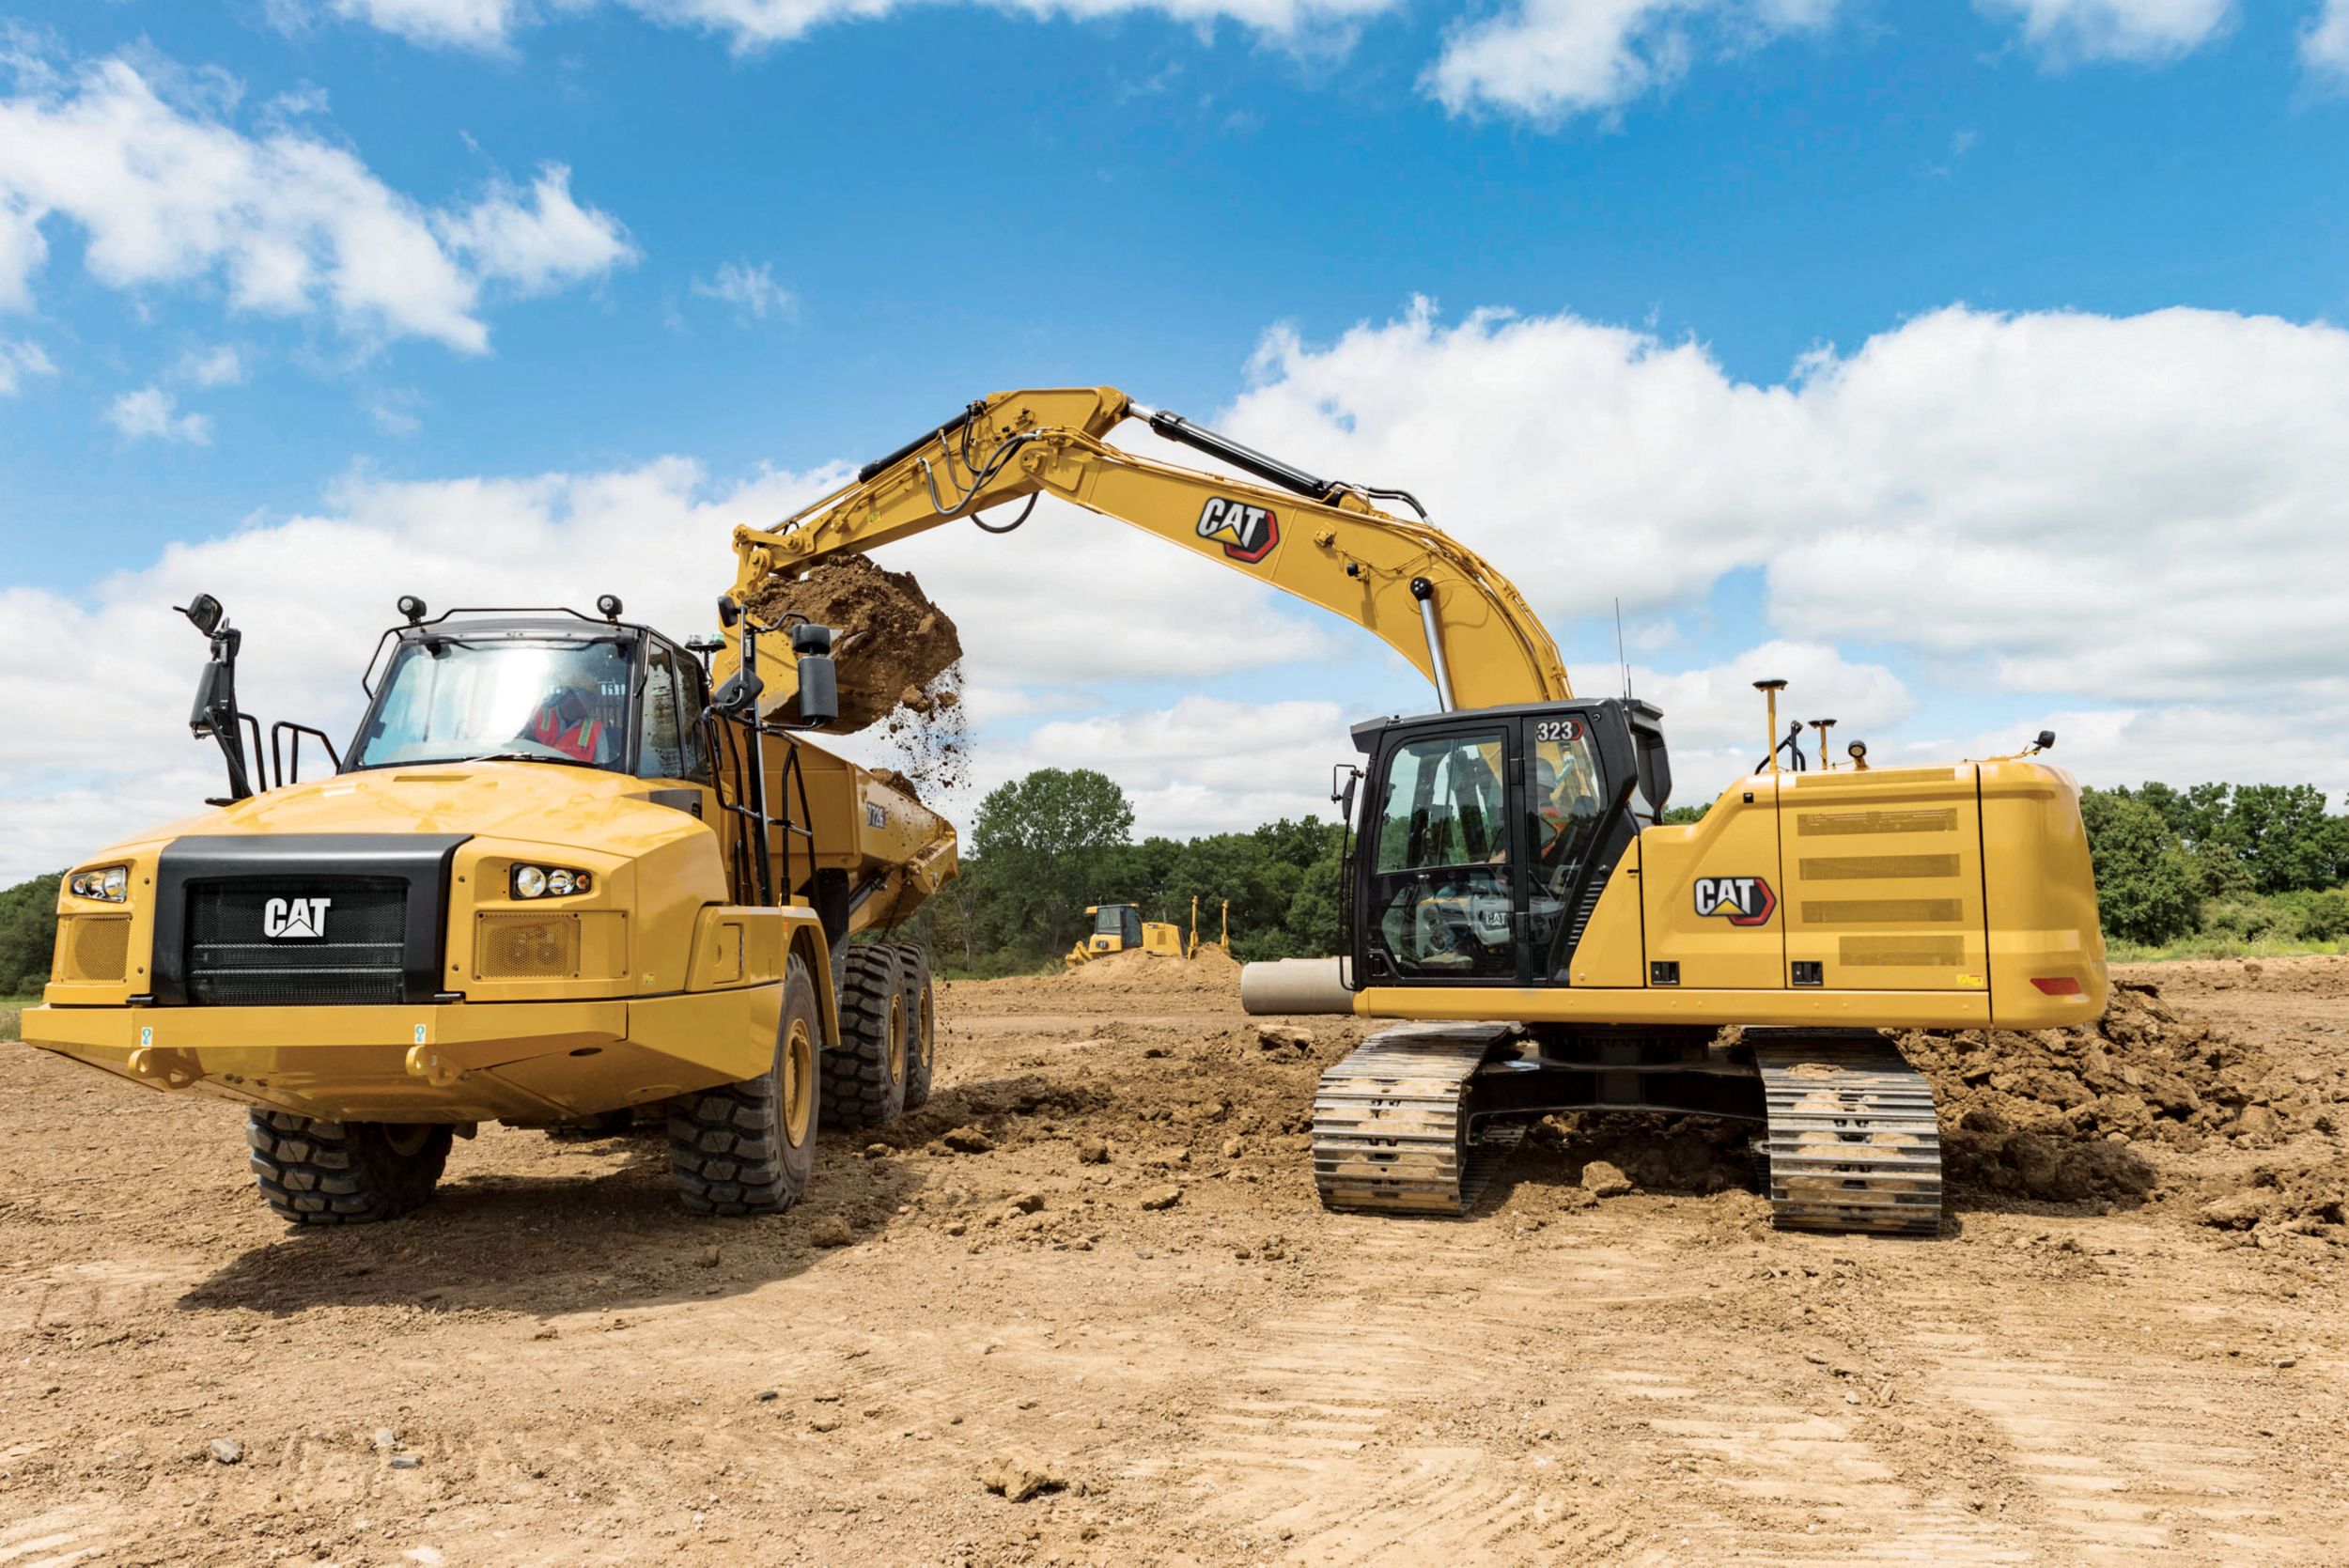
(1487, 839)
(1437, 871)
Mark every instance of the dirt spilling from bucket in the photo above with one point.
(899, 660)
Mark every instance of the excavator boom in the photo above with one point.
(1430, 598)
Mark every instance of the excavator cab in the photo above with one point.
(1487, 837)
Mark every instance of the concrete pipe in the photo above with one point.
(1293, 985)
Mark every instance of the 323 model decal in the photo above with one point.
(1743, 900)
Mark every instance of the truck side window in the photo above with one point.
(662, 754)
(693, 687)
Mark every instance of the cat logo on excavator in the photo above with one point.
(1746, 900)
(1246, 532)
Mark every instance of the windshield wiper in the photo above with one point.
(528, 756)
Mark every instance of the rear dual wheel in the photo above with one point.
(921, 1024)
(865, 1076)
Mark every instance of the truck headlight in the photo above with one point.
(109, 884)
(537, 881)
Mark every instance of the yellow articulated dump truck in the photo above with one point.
(555, 881)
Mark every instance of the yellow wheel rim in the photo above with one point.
(408, 1142)
(926, 1025)
(798, 1083)
(897, 1037)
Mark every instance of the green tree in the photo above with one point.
(29, 934)
(2325, 916)
(1041, 846)
(2147, 885)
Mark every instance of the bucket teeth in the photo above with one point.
(1391, 1126)
(1853, 1142)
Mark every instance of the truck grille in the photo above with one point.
(357, 953)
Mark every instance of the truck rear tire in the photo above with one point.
(864, 1077)
(315, 1173)
(747, 1147)
(921, 1024)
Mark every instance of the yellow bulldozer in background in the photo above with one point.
(1120, 929)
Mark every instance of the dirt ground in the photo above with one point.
(1094, 1273)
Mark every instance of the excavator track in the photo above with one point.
(1853, 1142)
(1391, 1129)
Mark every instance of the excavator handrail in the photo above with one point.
(1430, 598)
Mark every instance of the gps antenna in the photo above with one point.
(1619, 658)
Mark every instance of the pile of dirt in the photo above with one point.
(2059, 1114)
(897, 651)
(2315, 974)
(1211, 970)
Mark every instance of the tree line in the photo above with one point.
(2246, 863)
(2234, 864)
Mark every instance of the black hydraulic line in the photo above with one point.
(908, 449)
(1173, 426)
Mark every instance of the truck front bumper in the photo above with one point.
(529, 1062)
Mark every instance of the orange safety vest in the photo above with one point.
(579, 740)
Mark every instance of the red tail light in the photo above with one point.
(2057, 984)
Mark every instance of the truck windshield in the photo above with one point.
(447, 699)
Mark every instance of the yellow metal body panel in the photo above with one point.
(2042, 896)
(1884, 877)
(650, 984)
(1737, 840)
(1613, 950)
(1161, 939)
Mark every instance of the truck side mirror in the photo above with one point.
(211, 686)
(819, 677)
(739, 697)
(204, 611)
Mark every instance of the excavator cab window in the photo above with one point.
(1441, 873)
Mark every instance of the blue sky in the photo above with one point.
(1821, 257)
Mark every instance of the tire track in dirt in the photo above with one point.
(2129, 1457)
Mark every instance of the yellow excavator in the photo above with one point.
(1120, 929)
(554, 880)
(1513, 893)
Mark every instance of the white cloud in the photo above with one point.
(1068, 603)
(1547, 59)
(2325, 47)
(152, 412)
(460, 23)
(2152, 31)
(215, 366)
(747, 25)
(2132, 511)
(170, 194)
(753, 291)
(18, 361)
(1204, 765)
(539, 245)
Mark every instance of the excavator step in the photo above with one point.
(1392, 1122)
(1853, 1142)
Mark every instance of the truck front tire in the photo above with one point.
(747, 1147)
(315, 1173)
(865, 1078)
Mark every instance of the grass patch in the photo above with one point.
(2217, 944)
(10, 1008)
